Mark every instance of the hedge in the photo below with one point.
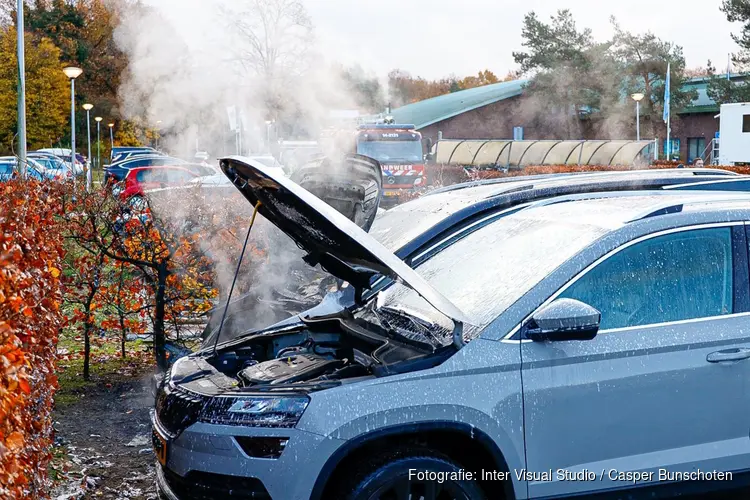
(30, 318)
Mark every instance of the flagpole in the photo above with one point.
(667, 115)
(669, 142)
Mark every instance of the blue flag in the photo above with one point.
(667, 95)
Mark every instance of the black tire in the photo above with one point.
(387, 477)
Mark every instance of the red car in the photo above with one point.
(141, 179)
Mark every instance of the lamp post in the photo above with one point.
(637, 97)
(72, 72)
(21, 90)
(158, 132)
(88, 108)
(98, 120)
(111, 137)
(268, 134)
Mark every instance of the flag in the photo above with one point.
(667, 95)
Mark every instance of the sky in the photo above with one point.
(437, 38)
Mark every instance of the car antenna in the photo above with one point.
(234, 280)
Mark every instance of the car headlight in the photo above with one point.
(261, 411)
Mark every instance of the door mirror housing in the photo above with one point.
(563, 319)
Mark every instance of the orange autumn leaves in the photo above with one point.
(30, 296)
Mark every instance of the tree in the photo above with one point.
(84, 32)
(165, 250)
(406, 89)
(721, 89)
(130, 133)
(47, 92)
(275, 37)
(366, 90)
(555, 45)
(123, 299)
(82, 285)
(571, 74)
(738, 11)
(485, 77)
(644, 60)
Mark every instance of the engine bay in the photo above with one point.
(320, 353)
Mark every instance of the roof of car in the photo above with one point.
(616, 209)
(425, 217)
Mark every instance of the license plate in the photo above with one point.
(159, 443)
(391, 193)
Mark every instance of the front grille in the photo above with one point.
(198, 485)
(177, 409)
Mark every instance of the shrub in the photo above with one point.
(30, 318)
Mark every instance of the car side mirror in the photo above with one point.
(563, 319)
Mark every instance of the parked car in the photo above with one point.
(141, 179)
(598, 332)
(118, 171)
(52, 162)
(65, 155)
(133, 154)
(120, 151)
(35, 170)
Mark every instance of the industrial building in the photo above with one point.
(503, 111)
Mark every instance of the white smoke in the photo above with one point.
(191, 60)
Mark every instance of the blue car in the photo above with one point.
(9, 170)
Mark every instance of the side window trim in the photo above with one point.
(741, 270)
(514, 334)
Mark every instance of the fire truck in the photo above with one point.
(398, 149)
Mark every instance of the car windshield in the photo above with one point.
(391, 151)
(490, 269)
(48, 162)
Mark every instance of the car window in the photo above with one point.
(490, 269)
(6, 171)
(674, 277)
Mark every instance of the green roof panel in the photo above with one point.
(437, 109)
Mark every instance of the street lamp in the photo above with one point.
(72, 72)
(637, 98)
(111, 136)
(88, 108)
(98, 120)
(268, 134)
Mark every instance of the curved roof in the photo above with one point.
(519, 154)
(437, 109)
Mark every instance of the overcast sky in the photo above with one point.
(435, 38)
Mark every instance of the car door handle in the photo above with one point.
(733, 354)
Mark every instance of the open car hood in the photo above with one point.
(353, 185)
(329, 238)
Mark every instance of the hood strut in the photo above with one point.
(234, 279)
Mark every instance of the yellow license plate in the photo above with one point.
(391, 193)
(159, 443)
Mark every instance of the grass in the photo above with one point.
(107, 366)
(97, 175)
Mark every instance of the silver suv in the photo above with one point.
(579, 344)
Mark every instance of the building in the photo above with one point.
(494, 111)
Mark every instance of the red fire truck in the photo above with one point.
(398, 149)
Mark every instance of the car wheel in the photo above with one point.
(403, 474)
